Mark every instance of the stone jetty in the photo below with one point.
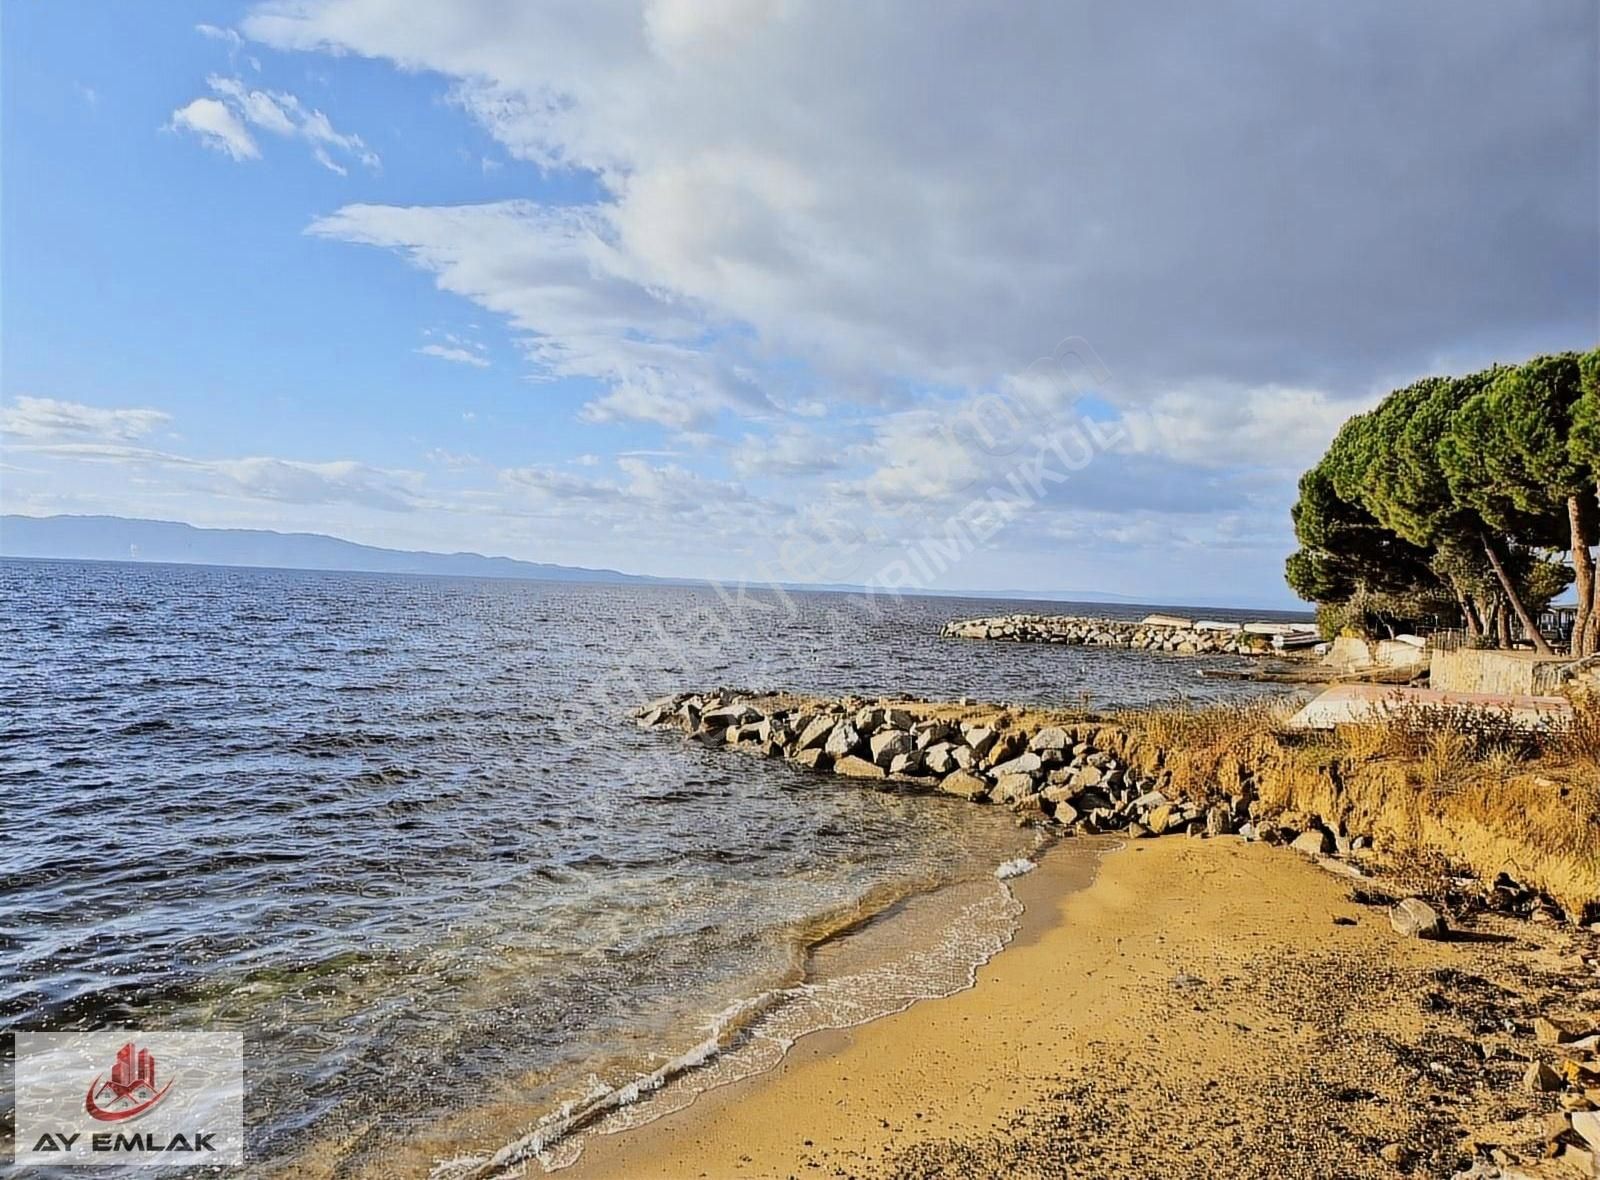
(1167, 633)
(1077, 776)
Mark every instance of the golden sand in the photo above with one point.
(1200, 1008)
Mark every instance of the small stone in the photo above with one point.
(1312, 843)
(1394, 1153)
(1065, 813)
(1541, 1079)
(1219, 820)
(1137, 831)
(1414, 918)
(1247, 831)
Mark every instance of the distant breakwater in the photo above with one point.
(1165, 633)
(1075, 776)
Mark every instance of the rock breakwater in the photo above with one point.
(1076, 776)
(1155, 633)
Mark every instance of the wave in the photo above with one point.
(865, 980)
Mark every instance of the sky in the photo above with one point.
(1053, 296)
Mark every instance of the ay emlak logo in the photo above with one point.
(129, 1092)
(135, 1098)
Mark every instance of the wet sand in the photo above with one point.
(1187, 1008)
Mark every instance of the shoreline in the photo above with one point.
(1170, 1007)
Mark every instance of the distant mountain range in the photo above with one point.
(117, 538)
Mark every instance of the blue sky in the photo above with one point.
(745, 288)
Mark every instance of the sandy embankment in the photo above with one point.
(1203, 1008)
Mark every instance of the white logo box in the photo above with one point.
(157, 1099)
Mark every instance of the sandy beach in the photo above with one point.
(1174, 1008)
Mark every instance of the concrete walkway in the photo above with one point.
(1345, 704)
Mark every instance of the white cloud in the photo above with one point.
(218, 128)
(461, 356)
(43, 418)
(287, 481)
(223, 122)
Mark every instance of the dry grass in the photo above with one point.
(1471, 787)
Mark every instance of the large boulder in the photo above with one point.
(1029, 764)
(1008, 788)
(730, 715)
(939, 758)
(842, 739)
(963, 783)
(815, 732)
(888, 744)
(979, 738)
(1052, 738)
(909, 763)
(854, 767)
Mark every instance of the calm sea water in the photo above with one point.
(399, 831)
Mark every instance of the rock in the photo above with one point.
(1085, 777)
(1587, 1124)
(979, 738)
(1137, 831)
(1008, 788)
(1150, 799)
(898, 718)
(963, 783)
(1160, 818)
(908, 763)
(1557, 1032)
(939, 758)
(1007, 746)
(842, 740)
(814, 759)
(1065, 813)
(1312, 843)
(868, 719)
(1219, 820)
(1247, 831)
(1022, 764)
(964, 757)
(815, 733)
(854, 767)
(1394, 1153)
(1052, 738)
(888, 744)
(1541, 1079)
(729, 715)
(1412, 917)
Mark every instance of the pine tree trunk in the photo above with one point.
(1469, 617)
(1582, 575)
(1528, 626)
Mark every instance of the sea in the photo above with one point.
(401, 833)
